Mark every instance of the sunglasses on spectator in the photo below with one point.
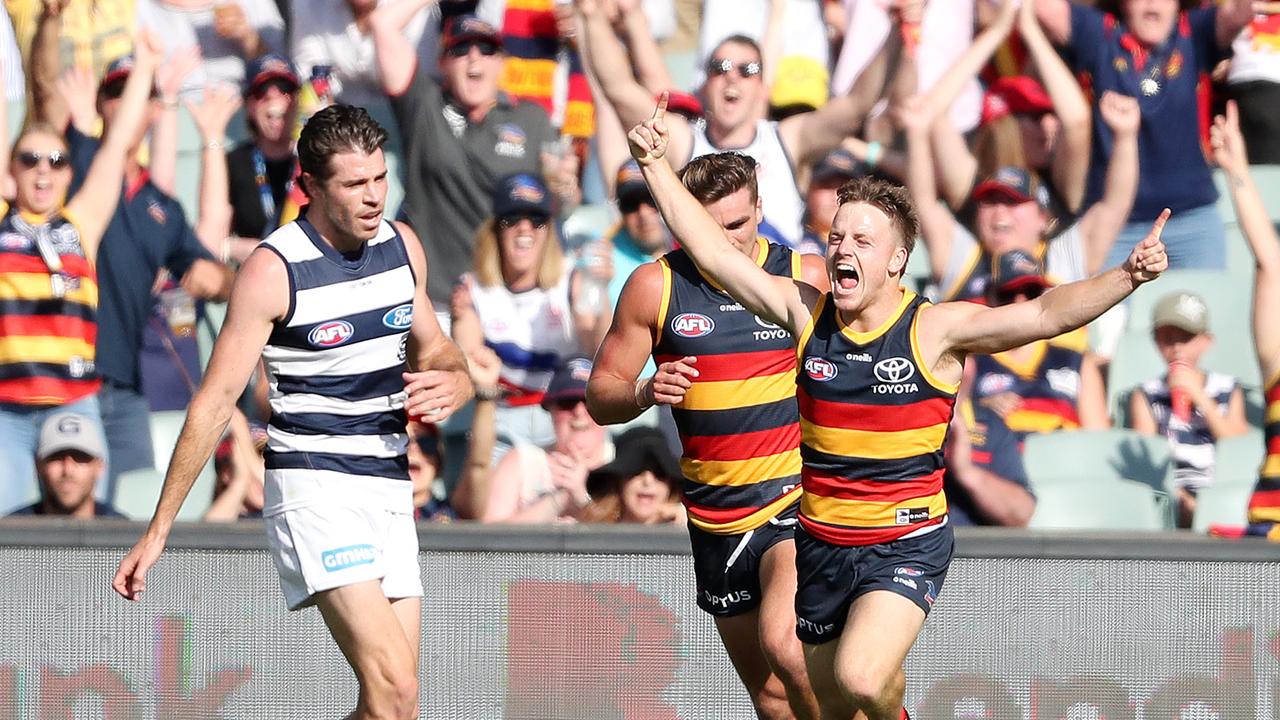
(284, 86)
(1008, 297)
(116, 89)
(30, 158)
(724, 66)
(566, 404)
(632, 204)
(510, 221)
(463, 49)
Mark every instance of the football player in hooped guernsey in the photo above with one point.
(879, 368)
(335, 305)
(729, 377)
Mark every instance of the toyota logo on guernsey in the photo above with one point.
(399, 318)
(692, 325)
(893, 374)
(819, 369)
(331, 333)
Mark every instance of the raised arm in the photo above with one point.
(808, 137)
(969, 328)
(437, 382)
(397, 57)
(772, 298)
(1230, 154)
(46, 65)
(95, 203)
(615, 392)
(647, 63)
(260, 296)
(1070, 163)
(629, 98)
(956, 165)
(1054, 17)
(611, 137)
(937, 225)
(1233, 16)
(170, 75)
(211, 117)
(470, 497)
(1103, 220)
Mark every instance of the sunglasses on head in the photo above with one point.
(631, 204)
(463, 49)
(724, 66)
(510, 221)
(30, 158)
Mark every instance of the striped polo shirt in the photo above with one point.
(738, 422)
(48, 312)
(334, 364)
(874, 419)
(1264, 505)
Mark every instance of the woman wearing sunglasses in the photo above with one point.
(48, 283)
(520, 301)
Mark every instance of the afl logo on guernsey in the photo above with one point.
(820, 370)
(399, 318)
(331, 334)
(692, 325)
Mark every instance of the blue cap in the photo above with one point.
(272, 66)
(522, 194)
(117, 70)
(569, 381)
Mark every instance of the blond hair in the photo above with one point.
(487, 265)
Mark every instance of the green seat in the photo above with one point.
(137, 492)
(1096, 505)
(165, 427)
(1238, 459)
(1267, 178)
(1221, 504)
(1228, 298)
(1069, 458)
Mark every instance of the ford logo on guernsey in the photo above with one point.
(399, 318)
(819, 369)
(331, 333)
(692, 325)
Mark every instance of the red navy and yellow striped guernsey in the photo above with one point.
(48, 312)
(1264, 504)
(738, 422)
(873, 419)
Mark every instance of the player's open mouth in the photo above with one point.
(846, 276)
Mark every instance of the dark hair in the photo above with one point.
(713, 177)
(739, 39)
(889, 198)
(336, 129)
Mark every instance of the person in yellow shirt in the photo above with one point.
(94, 32)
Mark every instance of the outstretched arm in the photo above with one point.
(937, 226)
(260, 296)
(612, 67)
(969, 328)
(211, 116)
(45, 65)
(1230, 154)
(397, 58)
(1103, 220)
(95, 203)
(1070, 163)
(775, 299)
(170, 75)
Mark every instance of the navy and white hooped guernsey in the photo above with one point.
(334, 364)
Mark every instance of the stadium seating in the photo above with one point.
(1096, 505)
(1267, 178)
(1238, 458)
(1097, 456)
(165, 428)
(1221, 504)
(137, 492)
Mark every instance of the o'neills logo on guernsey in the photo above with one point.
(819, 369)
(692, 325)
(893, 374)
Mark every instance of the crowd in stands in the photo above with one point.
(151, 145)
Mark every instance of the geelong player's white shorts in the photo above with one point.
(327, 545)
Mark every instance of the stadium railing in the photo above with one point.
(578, 622)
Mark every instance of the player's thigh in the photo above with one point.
(880, 631)
(778, 601)
(741, 637)
(408, 613)
(367, 630)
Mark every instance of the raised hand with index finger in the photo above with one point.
(648, 140)
(1148, 258)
